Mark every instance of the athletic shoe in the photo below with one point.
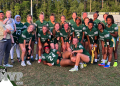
(39, 60)
(115, 64)
(7, 65)
(102, 64)
(85, 65)
(19, 60)
(32, 59)
(73, 69)
(28, 62)
(106, 66)
(23, 63)
(81, 66)
(94, 63)
(12, 61)
(36, 58)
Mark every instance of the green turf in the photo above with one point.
(92, 75)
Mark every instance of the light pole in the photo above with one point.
(31, 10)
(90, 5)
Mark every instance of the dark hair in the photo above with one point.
(97, 13)
(91, 21)
(102, 25)
(79, 19)
(105, 14)
(74, 12)
(111, 17)
(52, 14)
(54, 32)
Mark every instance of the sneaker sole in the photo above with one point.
(73, 71)
(106, 67)
(39, 62)
(101, 65)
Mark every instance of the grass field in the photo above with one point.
(92, 75)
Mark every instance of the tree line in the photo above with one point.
(58, 7)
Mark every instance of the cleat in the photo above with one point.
(73, 69)
(106, 66)
(115, 64)
(102, 64)
(39, 60)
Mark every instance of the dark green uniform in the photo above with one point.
(51, 57)
(50, 25)
(104, 36)
(83, 21)
(25, 27)
(79, 47)
(39, 25)
(71, 23)
(97, 21)
(17, 34)
(65, 35)
(78, 30)
(91, 34)
(113, 28)
(105, 23)
(25, 36)
(54, 39)
(44, 37)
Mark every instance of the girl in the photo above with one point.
(78, 30)
(92, 34)
(51, 23)
(86, 20)
(108, 45)
(43, 39)
(65, 37)
(95, 16)
(62, 21)
(105, 16)
(16, 35)
(39, 24)
(72, 21)
(29, 21)
(81, 54)
(56, 35)
(25, 44)
(112, 28)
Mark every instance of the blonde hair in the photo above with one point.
(8, 27)
(8, 12)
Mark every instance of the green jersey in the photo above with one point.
(19, 29)
(78, 30)
(50, 25)
(39, 25)
(26, 25)
(104, 35)
(65, 35)
(83, 21)
(44, 37)
(71, 23)
(51, 57)
(105, 23)
(79, 47)
(97, 21)
(25, 36)
(54, 39)
(91, 34)
(113, 28)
